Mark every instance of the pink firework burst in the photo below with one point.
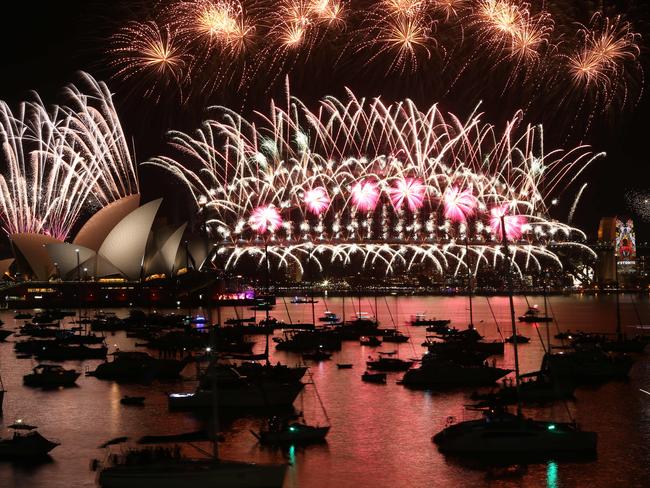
(459, 205)
(317, 200)
(513, 223)
(265, 218)
(409, 190)
(365, 195)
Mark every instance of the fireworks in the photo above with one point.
(500, 217)
(317, 200)
(265, 218)
(638, 201)
(379, 181)
(528, 50)
(58, 162)
(365, 195)
(409, 190)
(459, 205)
(145, 50)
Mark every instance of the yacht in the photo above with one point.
(436, 372)
(389, 364)
(51, 376)
(533, 315)
(284, 431)
(420, 320)
(138, 366)
(25, 443)
(4, 333)
(499, 433)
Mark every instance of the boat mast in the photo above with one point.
(548, 322)
(343, 318)
(504, 240)
(213, 354)
(469, 280)
(619, 332)
(267, 301)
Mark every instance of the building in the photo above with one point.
(617, 253)
(118, 242)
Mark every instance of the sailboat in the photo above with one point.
(2, 393)
(165, 468)
(500, 433)
(293, 429)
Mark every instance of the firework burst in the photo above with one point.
(59, 162)
(379, 181)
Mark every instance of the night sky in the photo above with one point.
(45, 44)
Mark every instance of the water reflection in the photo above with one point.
(381, 434)
(551, 475)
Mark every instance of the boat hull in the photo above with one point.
(250, 396)
(194, 474)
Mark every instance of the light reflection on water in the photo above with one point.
(381, 434)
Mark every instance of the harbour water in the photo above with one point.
(381, 434)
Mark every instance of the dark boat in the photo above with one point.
(592, 365)
(536, 387)
(4, 334)
(369, 377)
(440, 373)
(389, 364)
(520, 339)
(280, 430)
(51, 376)
(132, 400)
(394, 335)
(329, 317)
(63, 352)
(533, 315)
(344, 366)
(317, 355)
(500, 435)
(23, 316)
(308, 340)
(420, 320)
(370, 341)
(27, 445)
(138, 366)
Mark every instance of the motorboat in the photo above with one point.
(132, 400)
(499, 434)
(4, 333)
(25, 443)
(51, 376)
(520, 339)
(449, 374)
(57, 351)
(591, 365)
(240, 393)
(344, 365)
(421, 320)
(138, 366)
(369, 377)
(394, 335)
(389, 364)
(533, 315)
(370, 341)
(329, 317)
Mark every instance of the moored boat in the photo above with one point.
(51, 376)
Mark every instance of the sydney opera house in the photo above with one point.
(121, 253)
